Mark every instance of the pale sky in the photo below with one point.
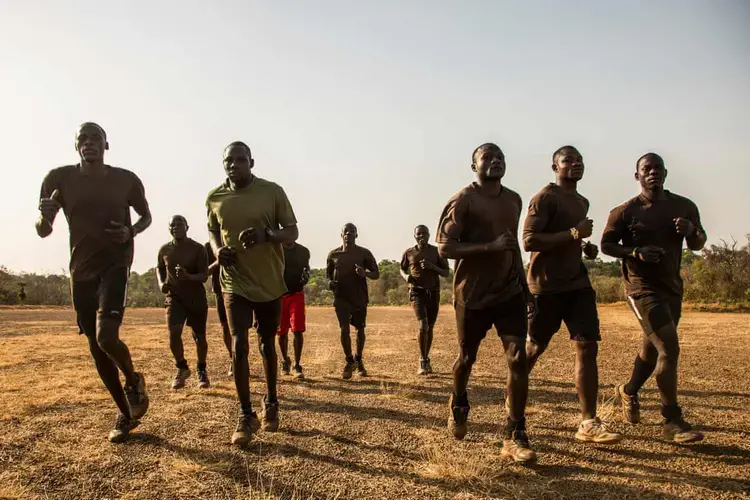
(368, 111)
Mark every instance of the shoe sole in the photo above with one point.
(241, 441)
(204, 386)
(623, 408)
(586, 439)
(693, 439)
(126, 435)
(509, 456)
(270, 426)
(346, 376)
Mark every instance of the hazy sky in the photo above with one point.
(368, 111)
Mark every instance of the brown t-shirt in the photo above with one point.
(486, 279)
(340, 267)
(639, 222)
(89, 203)
(215, 283)
(558, 269)
(191, 256)
(425, 278)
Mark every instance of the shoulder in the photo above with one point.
(461, 198)
(546, 194)
(408, 252)
(303, 250)
(59, 174)
(124, 174)
(218, 190)
(266, 185)
(365, 251)
(512, 195)
(681, 200)
(195, 244)
(620, 210)
(334, 252)
(166, 247)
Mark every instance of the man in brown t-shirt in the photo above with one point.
(646, 233)
(96, 200)
(221, 311)
(181, 270)
(422, 266)
(479, 229)
(554, 232)
(348, 268)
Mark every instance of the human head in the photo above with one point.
(91, 142)
(421, 235)
(349, 233)
(238, 161)
(488, 161)
(567, 163)
(650, 171)
(178, 227)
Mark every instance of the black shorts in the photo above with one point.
(426, 304)
(105, 296)
(195, 316)
(241, 312)
(509, 319)
(221, 310)
(576, 307)
(349, 314)
(655, 311)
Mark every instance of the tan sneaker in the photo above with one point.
(298, 373)
(247, 425)
(360, 368)
(203, 381)
(422, 367)
(594, 431)
(346, 373)
(631, 407)
(180, 377)
(457, 419)
(517, 448)
(679, 431)
(270, 419)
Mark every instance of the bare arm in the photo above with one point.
(214, 238)
(286, 234)
(457, 250)
(612, 237)
(539, 242)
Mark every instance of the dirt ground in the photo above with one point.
(380, 437)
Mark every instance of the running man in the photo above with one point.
(296, 276)
(348, 268)
(213, 270)
(96, 200)
(422, 266)
(249, 218)
(181, 270)
(554, 232)
(646, 233)
(479, 230)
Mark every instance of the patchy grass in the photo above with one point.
(380, 437)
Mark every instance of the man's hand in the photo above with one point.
(180, 273)
(50, 206)
(684, 227)
(426, 264)
(590, 250)
(649, 253)
(165, 287)
(226, 256)
(585, 228)
(361, 271)
(118, 233)
(333, 285)
(253, 236)
(505, 241)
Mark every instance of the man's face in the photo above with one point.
(489, 163)
(91, 143)
(569, 165)
(422, 236)
(178, 228)
(237, 163)
(349, 234)
(651, 173)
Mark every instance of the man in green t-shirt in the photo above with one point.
(249, 219)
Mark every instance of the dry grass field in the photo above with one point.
(381, 437)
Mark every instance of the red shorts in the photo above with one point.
(292, 313)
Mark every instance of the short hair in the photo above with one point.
(180, 217)
(242, 145)
(350, 225)
(562, 150)
(421, 226)
(93, 125)
(648, 155)
(483, 146)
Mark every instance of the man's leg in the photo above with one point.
(471, 326)
(299, 341)
(284, 346)
(267, 314)
(359, 321)
(298, 324)
(222, 313)
(517, 382)
(543, 326)
(587, 377)
(198, 322)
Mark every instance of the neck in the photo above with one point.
(421, 246)
(567, 184)
(653, 194)
(492, 186)
(92, 166)
(349, 246)
(241, 183)
(179, 240)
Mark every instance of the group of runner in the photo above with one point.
(258, 273)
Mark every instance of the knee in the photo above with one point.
(669, 351)
(424, 326)
(240, 344)
(467, 357)
(516, 357)
(107, 329)
(587, 351)
(534, 350)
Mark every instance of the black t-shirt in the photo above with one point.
(296, 264)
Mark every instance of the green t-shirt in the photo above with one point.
(258, 274)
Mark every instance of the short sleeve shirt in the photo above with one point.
(340, 267)
(640, 222)
(258, 274)
(425, 278)
(90, 202)
(470, 216)
(191, 256)
(558, 269)
(296, 261)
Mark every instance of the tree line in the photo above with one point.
(720, 274)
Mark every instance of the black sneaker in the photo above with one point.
(422, 367)
(137, 397)
(286, 366)
(203, 382)
(346, 373)
(123, 426)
